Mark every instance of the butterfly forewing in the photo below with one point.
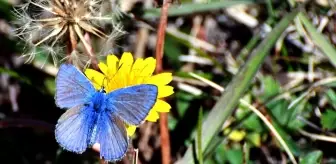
(112, 137)
(74, 128)
(132, 104)
(98, 119)
(72, 87)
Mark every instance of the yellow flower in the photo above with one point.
(125, 72)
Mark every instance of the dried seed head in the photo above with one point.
(106, 45)
(55, 23)
(78, 59)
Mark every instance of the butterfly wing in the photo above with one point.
(74, 128)
(132, 104)
(72, 87)
(112, 137)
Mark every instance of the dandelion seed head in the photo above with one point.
(54, 23)
(110, 41)
(30, 54)
(52, 51)
(78, 58)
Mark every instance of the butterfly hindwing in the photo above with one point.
(72, 87)
(74, 128)
(132, 104)
(112, 137)
(98, 119)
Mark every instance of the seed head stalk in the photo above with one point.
(90, 50)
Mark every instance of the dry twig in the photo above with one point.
(165, 141)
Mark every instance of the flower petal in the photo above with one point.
(126, 61)
(112, 61)
(135, 77)
(138, 65)
(149, 66)
(161, 106)
(160, 79)
(130, 129)
(122, 77)
(153, 116)
(165, 91)
(95, 77)
(103, 67)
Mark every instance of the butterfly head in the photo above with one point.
(102, 89)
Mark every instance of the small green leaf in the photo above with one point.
(220, 154)
(314, 157)
(271, 87)
(303, 109)
(253, 123)
(328, 120)
(278, 109)
(331, 95)
(235, 156)
(254, 138)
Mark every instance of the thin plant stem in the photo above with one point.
(164, 133)
(87, 46)
(271, 127)
(93, 57)
(136, 156)
(318, 136)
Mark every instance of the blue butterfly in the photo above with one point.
(97, 117)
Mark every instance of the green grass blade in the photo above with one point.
(192, 8)
(15, 75)
(312, 158)
(237, 87)
(327, 48)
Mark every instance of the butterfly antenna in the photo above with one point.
(103, 85)
(141, 70)
(113, 79)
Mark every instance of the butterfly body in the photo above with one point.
(98, 117)
(97, 101)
